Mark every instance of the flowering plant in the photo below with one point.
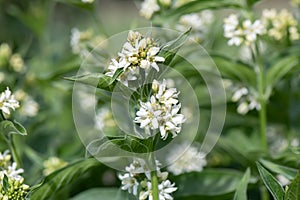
(203, 104)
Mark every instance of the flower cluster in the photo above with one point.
(246, 32)
(137, 178)
(161, 112)
(30, 107)
(8, 101)
(280, 24)
(246, 100)
(13, 60)
(16, 189)
(52, 164)
(149, 7)
(137, 53)
(191, 160)
(82, 42)
(199, 23)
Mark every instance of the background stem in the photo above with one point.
(13, 150)
(262, 100)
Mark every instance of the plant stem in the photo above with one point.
(262, 100)
(13, 150)
(154, 183)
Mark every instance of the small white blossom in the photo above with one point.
(246, 100)
(199, 22)
(104, 119)
(4, 158)
(148, 7)
(8, 101)
(161, 112)
(129, 183)
(13, 172)
(238, 34)
(137, 53)
(191, 160)
(165, 189)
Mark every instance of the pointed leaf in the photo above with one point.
(12, 127)
(194, 6)
(208, 184)
(5, 183)
(288, 172)
(293, 192)
(281, 68)
(241, 191)
(271, 183)
(61, 178)
(96, 79)
(235, 70)
(169, 50)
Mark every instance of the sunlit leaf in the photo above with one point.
(271, 183)
(56, 181)
(293, 192)
(241, 191)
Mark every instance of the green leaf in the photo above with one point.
(12, 127)
(61, 178)
(250, 3)
(96, 79)
(117, 73)
(235, 70)
(208, 184)
(77, 3)
(271, 183)
(169, 50)
(288, 172)
(280, 69)
(241, 191)
(192, 7)
(5, 183)
(293, 192)
(104, 193)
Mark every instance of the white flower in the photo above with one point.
(8, 101)
(246, 100)
(129, 183)
(237, 34)
(13, 172)
(251, 30)
(30, 107)
(199, 22)
(161, 112)
(239, 93)
(191, 160)
(148, 7)
(165, 189)
(137, 53)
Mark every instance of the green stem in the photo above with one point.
(262, 99)
(154, 182)
(13, 150)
